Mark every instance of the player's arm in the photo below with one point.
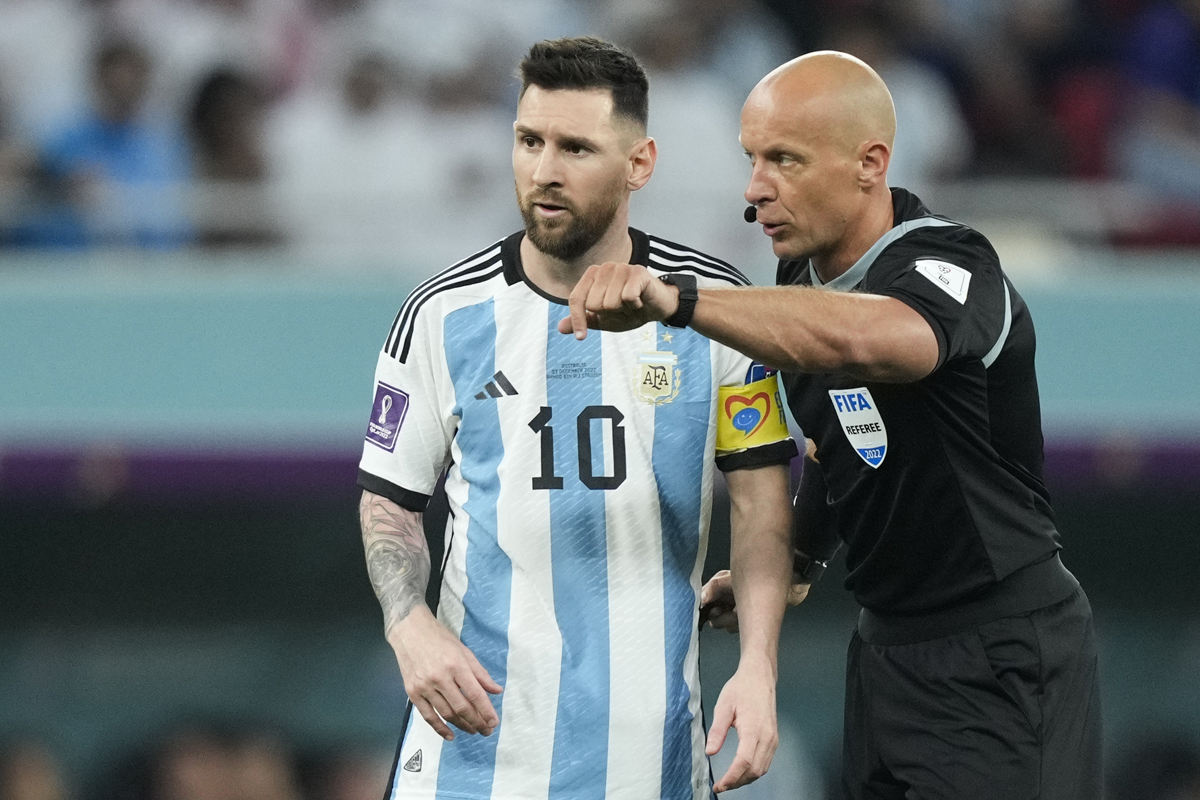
(815, 542)
(873, 337)
(442, 677)
(760, 569)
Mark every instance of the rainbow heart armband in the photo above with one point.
(750, 416)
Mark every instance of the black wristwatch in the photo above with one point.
(687, 298)
(805, 568)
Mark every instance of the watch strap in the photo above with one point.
(688, 295)
(806, 569)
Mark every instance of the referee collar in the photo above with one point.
(514, 269)
(911, 213)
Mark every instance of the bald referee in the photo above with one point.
(908, 359)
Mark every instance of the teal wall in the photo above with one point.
(205, 354)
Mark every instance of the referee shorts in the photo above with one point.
(1006, 710)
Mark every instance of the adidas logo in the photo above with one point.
(498, 386)
(414, 763)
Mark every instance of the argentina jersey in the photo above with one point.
(579, 476)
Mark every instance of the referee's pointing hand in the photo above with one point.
(617, 297)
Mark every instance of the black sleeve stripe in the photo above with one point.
(423, 286)
(671, 253)
(765, 456)
(467, 281)
(674, 248)
(680, 257)
(408, 310)
(405, 498)
(660, 263)
(480, 260)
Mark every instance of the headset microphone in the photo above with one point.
(750, 214)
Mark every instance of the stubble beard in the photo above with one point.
(568, 238)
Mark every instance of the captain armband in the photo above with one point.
(751, 415)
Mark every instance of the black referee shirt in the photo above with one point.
(936, 487)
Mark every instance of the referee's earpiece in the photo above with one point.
(750, 214)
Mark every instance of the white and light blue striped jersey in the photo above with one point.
(579, 475)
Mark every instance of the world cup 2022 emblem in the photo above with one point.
(657, 378)
(387, 415)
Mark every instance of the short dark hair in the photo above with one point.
(585, 62)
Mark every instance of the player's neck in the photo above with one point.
(557, 277)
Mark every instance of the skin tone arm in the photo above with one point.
(718, 592)
(444, 680)
(872, 337)
(760, 558)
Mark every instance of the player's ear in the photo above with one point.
(642, 156)
(873, 159)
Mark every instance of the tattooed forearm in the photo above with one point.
(397, 556)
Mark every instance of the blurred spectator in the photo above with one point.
(121, 172)
(429, 39)
(1011, 125)
(932, 139)
(695, 194)
(196, 764)
(44, 46)
(1160, 147)
(378, 172)
(264, 769)
(745, 41)
(190, 39)
(351, 774)
(204, 763)
(226, 126)
(802, 21)
(1162, 766)
(28, 771)
(17, 163)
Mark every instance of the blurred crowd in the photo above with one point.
(352, 129)
(206, 762)
(201, 762)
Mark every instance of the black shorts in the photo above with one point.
(1008, 710)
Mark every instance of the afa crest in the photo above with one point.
(657, 379)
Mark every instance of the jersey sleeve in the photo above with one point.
(411, 423)
(961, 295)
(752, 427)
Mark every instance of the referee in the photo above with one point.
(908, 359)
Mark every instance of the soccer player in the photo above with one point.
(579, 475)
(909, 363)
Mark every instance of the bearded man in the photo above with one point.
(566, 633)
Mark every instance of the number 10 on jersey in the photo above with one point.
(583, 433)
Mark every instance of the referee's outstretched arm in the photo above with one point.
(873, 337)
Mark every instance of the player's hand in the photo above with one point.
(442, 677)
(717, 605)
(797, 592)
(617, 297)
(747, 703)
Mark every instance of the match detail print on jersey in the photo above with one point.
(952, 280)
(861, 423)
